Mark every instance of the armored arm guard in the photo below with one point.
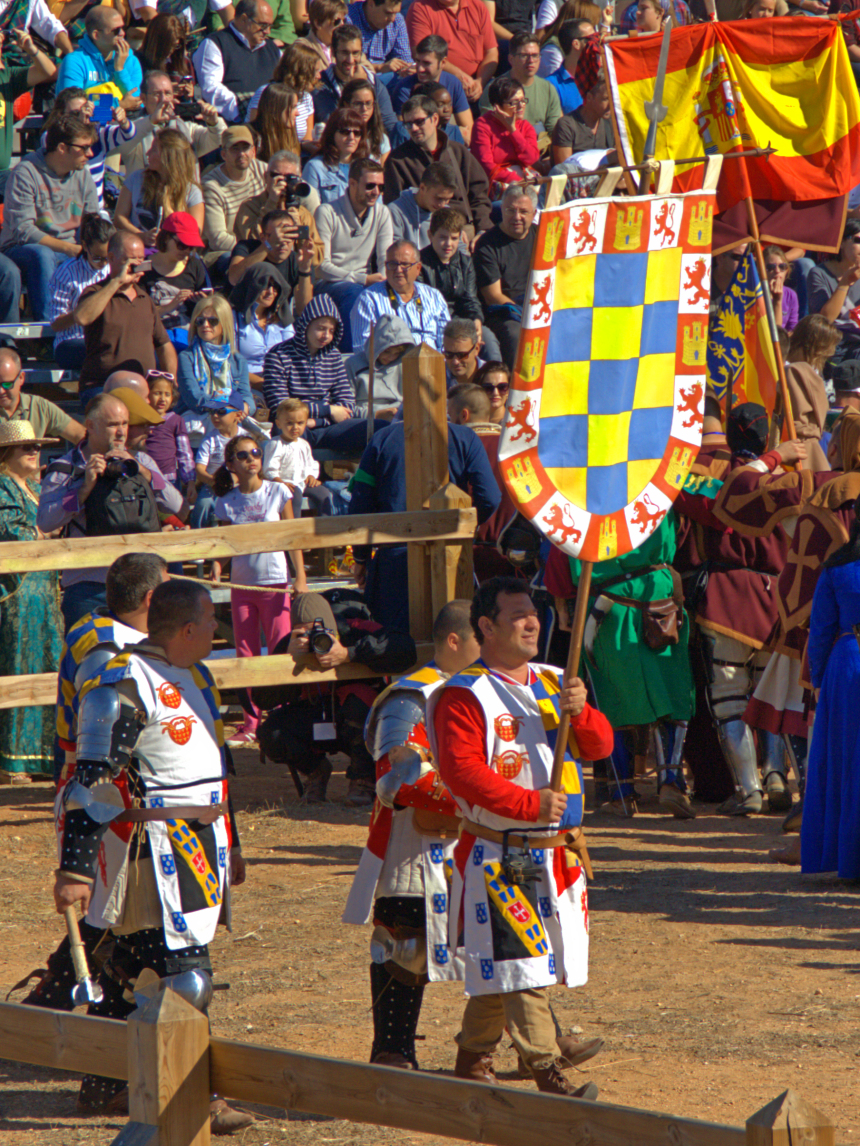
(108, 728)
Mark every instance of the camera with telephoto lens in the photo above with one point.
(293, 190)
(186, 109)
(320, 639)
(115, 468)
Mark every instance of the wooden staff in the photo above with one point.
(578, 632)
(370, 379)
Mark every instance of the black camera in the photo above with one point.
(186, 109)
(293, 190)
(320, 639)
(117, 467)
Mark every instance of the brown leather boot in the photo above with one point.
(550, 1080)
(474, 1067)
(223, 1119)
(391, 1058)
(571, 1053)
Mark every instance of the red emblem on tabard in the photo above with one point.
(178, 729)
(169, 694)
(509, 764)
(507, 726)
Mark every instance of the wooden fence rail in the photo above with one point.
(172, 1066)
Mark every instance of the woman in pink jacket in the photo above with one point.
(503, 141)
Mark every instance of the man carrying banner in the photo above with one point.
(518, 885)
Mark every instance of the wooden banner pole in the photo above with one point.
(580, 614)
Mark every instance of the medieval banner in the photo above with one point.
(741, 362)
(604, 415)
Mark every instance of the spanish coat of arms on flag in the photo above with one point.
(604, 416)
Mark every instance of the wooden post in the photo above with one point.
(580, 616)
(425, 429)
(452, 568)
(790, 1121)
(168, 1070)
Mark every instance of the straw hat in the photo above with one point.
(19, 432)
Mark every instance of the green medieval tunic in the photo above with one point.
(632, 683)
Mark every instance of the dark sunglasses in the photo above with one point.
(490, 387)
(244, 455)
(735, 258)
(450, 355)
(774, 267)
(9, 385)
(30, 448)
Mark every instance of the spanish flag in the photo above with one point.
(741, 363)
(784, 83)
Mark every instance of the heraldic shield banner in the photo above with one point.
(604, 415)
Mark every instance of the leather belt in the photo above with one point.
(205, 813)
(573, 839)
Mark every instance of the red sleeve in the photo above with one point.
(595, 739)
(461, 735)
(526, 143)
(556, 577)
(483, 144)
(418, 24)
(700, 509)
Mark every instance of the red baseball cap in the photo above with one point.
(184, 227)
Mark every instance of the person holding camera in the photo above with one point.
(284, 191)
(198, 121)
(99, 489)
(285, 244)
(330, 629)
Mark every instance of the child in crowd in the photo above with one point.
(252, 499)
(168, 443)
(288, 459)
(226, 414)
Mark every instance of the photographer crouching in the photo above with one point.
(312, 720)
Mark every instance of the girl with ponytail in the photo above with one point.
(243, 496)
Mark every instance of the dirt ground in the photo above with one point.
(718, 979)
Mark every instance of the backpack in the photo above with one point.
(124, 504)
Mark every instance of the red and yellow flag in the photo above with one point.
(741, 362)
(784, 83)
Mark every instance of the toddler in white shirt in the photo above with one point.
(288, 459)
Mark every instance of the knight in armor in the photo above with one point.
(731, 594)
(90, 644)
(151, 717)
(519, 905)
(642, 684)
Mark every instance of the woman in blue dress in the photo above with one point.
(830, 834)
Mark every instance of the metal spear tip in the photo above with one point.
(86, 992)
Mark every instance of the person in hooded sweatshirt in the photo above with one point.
(310, 366)
(263, 316)
(392, 338)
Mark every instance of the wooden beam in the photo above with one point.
(168, 1069)
(788, 1120)
(63, 1040)
(452, 567)
(240, 540)
(432, 1104)
(137, 1134)
(232, 672)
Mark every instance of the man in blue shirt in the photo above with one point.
(104, 64)
(572, 37)
(383, 34)
(430, 55)
(422, 307)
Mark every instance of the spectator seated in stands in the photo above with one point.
(494, 378)
(276, 197)
(430, 56)
(461, 346)
(68, 283)
(103, 63)
(422, 307)
(447, 265)
(648, 17)
(288, 459)
(167, 184)
(467, 28)
(168, 443)
(572, 38)
(262, 315)
(543, 109)
(239, 178)
(278, 249)
(177, 277)
(13, 83)
(159, 101)
(503, 259)
(427, 144)
(589, 127)
(355, 231)
(833, 287)
(412, 209)
(122, 330)
(503, 141)
(786, 306)
(324, 16)
(288, 734)
(275, 121)
(165, 49)
(384, 38)
(69, 484)
(360, 95)
(299, 68)
(343, 141)
(310, 366)
(47, 420)
(392, 338)
(211, 368)
(230, 63)
(226, 413)
(347, 65)
(46, 195)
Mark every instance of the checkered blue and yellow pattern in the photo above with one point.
(605, 411)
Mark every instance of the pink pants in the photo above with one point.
(252, 612)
